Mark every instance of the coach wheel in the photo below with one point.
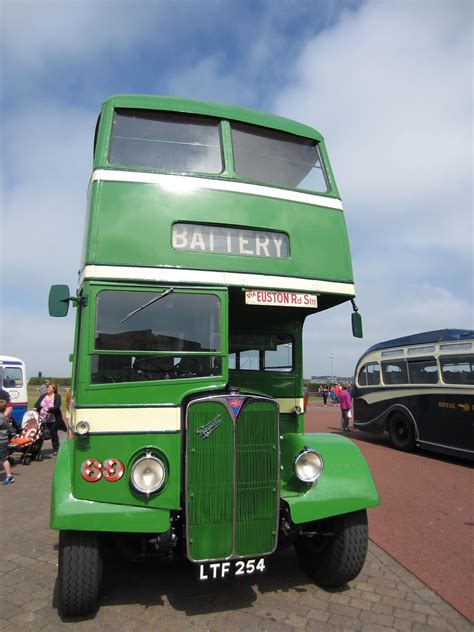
(401, 433)
(80, 572)
(336, 555)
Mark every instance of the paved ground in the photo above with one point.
(166, 596)
(426, 518)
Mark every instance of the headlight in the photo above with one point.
(308, 466)
(148, 474)
(82, 427)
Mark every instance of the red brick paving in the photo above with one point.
(426, 518)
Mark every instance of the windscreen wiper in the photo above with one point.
(153, 300)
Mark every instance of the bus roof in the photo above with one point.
(4, 359)
(439, 335)
(194, 106)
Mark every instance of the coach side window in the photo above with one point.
(394, 372)
(423, 371)
(458, 369)
(369, 375)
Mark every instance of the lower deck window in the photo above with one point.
(261, 352)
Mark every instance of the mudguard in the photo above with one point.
(345, 484)
(70, 513)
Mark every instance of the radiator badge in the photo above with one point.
(235, 404)
(206, 430)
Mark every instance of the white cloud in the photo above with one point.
(390, 88)
(388, 84)
(44, 33)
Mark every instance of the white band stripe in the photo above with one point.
(207, 277)
(188, 183)
(118, 420)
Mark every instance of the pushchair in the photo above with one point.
(30, 440)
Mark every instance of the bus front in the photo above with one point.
(212, 233)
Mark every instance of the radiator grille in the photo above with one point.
(232, 469)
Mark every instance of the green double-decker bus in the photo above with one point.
(212, 233)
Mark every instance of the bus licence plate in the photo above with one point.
(232, 568)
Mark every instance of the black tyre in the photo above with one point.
(401, 432)
(80, 573)
(337, 555)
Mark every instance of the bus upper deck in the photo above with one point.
(185, 191)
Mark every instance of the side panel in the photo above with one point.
(127, 447)
(441, 416)
(319, 247)
(70, 513)
(345, 484)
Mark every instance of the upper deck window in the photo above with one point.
(167, 141)
(277, 158)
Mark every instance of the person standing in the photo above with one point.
(345, 402)
(5, 430)
(43, 388)
(49, 409)
(325, 393)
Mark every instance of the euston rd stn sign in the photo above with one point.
(282, 299)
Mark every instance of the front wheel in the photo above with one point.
(401, 432)
(80, 572)
(336, 554)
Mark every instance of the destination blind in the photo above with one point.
(230, 241)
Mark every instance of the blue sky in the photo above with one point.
(388, 84)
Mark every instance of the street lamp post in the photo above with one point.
(331, 358)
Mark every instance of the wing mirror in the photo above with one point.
(58, 303)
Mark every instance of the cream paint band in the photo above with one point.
(128, 419)
(187, 184)
(206, 277)
(413, 391)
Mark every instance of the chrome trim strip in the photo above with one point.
(447, 447)
(187, 184)
(207, 277)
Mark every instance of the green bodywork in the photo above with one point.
(71, 513)
(345, 484)
(227, 488)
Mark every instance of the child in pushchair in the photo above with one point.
(30, 441)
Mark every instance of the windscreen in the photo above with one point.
(277, 158)
(132, 327)
(166, 141)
